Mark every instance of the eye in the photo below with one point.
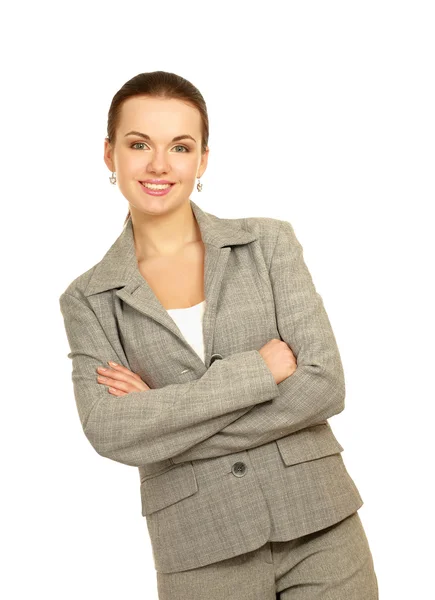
(143, 144)
(137, 144)
(178, 146)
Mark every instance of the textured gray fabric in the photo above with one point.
(201, 418)
(335, 563)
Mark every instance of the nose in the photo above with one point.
(158, 162)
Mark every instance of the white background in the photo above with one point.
(321, 113)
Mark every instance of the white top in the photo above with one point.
(189, 322)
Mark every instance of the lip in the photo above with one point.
(156, 192)
(157, 181)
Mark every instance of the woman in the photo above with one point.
(203, 355)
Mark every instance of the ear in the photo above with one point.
(203, 164)
(108, 150)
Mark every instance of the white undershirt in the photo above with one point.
(189, 322)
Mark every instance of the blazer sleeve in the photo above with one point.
(316, 390)
(152, 425)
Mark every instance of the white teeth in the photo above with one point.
(154, 186)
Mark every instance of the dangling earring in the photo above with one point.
(112, 178)
(199, 186)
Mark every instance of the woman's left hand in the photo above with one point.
(121, 381)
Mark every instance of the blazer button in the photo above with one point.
(239, 469)
(215, 357)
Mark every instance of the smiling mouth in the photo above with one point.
(156, 186)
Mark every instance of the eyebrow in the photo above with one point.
(147, 137)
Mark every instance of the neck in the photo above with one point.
(164, 234)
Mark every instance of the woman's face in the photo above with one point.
(136, 158)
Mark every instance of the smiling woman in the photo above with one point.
(157, 158)
(147, 117)
(222, 370)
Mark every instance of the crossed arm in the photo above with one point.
(227, 409)
(155, 424)
(316, 390)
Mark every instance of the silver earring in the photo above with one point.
(199, 186)
(112, 178)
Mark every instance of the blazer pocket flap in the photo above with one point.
(308, 444)
(168, 487)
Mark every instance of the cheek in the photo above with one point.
(185, 171)
(129, 163)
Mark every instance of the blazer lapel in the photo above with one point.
(119, 270)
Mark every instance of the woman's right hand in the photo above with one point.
(279, 358)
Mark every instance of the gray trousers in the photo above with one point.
(331, 564)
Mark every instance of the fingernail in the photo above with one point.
(114, 364)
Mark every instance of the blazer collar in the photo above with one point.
(119, 265)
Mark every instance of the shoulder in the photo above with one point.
(270, 230)
(263, 227)
(79, 284)
(266, 230)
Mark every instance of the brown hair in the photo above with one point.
(159, 84)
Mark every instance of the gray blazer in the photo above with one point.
(227, 458)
